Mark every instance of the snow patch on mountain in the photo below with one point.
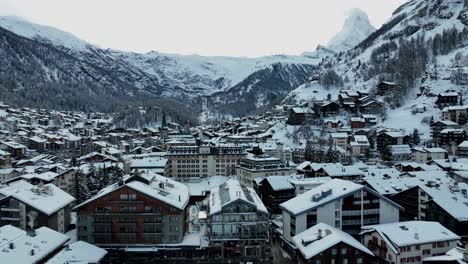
(356, 28)
(52, 35)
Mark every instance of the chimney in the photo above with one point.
(12, 245)
(179, 197)
(327, 232)
(32, 252)
(416, 236)
(319, 235)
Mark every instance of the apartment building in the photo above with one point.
(342, 204)
(188, 162)
(423, 154)
(143, 209)
(408, 242)
(238, 223)
(27, 206)
(261, 166)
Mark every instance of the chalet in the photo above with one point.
(458, 114)
(275, 190)
(400, 152)
(323, 243)
(449, 137)
(424, 155)
(386, 138)
(385, 88)
(447, 99)
(326, 108)
(157, 203)
(340, 140)
(408, 242)
(359, 146)
(15, 149)
(462, 149)
(438, 126)
(299, 115)
(358, 122)
(372, 107)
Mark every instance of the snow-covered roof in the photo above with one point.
(28, 249)
(400, 149)
(279, 183)
(232, 191)
(150, 162)
(78, 252)
(464, 144)
(454, 108)
(302, 110)
(164, 189)
(321, 237)
(47, 199)
(454, 255)
(403, 234)
(199, 187)
(339, 135)
(321, 195)
(430, 150)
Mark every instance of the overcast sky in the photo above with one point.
(207, 27)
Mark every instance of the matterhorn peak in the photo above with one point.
(356, 28)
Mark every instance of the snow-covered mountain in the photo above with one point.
(356, 28)
(423, 47)
(186, 79)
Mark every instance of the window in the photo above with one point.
(334, 251)
(343, 251)
(132, 197)
(123, 196)
(359, 260)
(132, 208)
(173, 228)
(337, 223)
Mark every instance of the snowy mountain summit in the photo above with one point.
(357, 27)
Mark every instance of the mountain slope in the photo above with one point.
(423, 48)
(356, 28)
(175, 77)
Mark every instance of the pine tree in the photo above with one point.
(416, 138)
(163, 123)
(386, 154)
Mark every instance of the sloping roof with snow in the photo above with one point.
(44, 243)
(171, 192)
(48, 199)
(310, 243)
(403, 234)
(279, 183)
(232, 191)
(78, 252)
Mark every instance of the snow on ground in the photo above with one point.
(311, 91)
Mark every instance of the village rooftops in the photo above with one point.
(402, 234)
(153, 185)
(321, 237)
(20, 248)
(47, 198)
(78, 252)
(324, 194)
(232, 191)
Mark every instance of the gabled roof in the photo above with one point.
(166, 190)
(321, 237)
(279, 183)
(233, 191)
(403, 234)
(47, 199)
